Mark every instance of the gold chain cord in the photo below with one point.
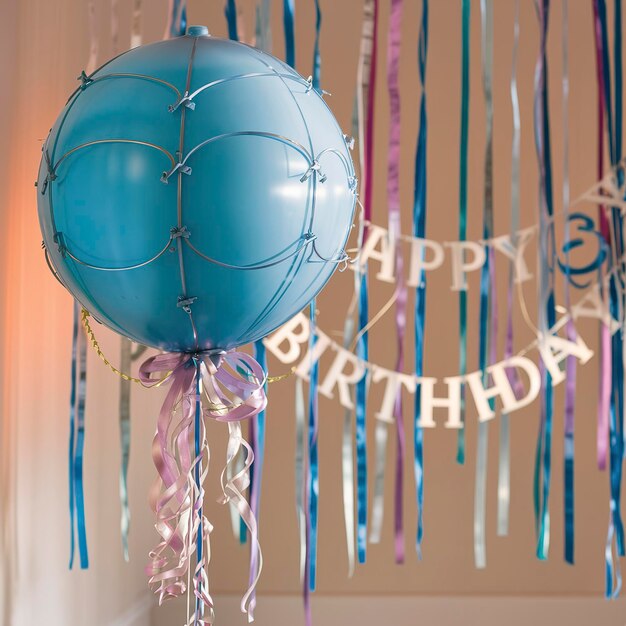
(96, 346)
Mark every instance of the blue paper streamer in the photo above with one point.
(361, 422)
(465, 91)
(77, 442)
(288, 22)
(547, 312)
(230, 12)
(419, 230)
(313, 482)
(180, 28)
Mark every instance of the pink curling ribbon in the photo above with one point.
(230, 390)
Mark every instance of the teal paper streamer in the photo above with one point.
(570, 392)
(480, 489)
(465, 92)
(289, 10)
(547, 312)
(179, 25)
(230, 12)
(419, 230)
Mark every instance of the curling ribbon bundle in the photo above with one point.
(201, 386)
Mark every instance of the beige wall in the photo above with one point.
(50, 50)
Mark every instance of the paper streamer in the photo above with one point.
(78, 392)
(177, 19)
(419, 230)
(289, 10)
(115, 26)
(92, 62)
(299, 473)
(393, 191)
(313, 466)
(230, 11)
(612, 384)
(504, 453)
(547, 314)
(366, 80)
(135, 28)
(263, 30)
(465, 91)
(347, 461)
(570, 366)
(486, 295)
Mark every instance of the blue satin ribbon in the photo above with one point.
(289, 10)
(361, 422)
(419, 230)
(77, 441)
(547, 311)
(230, 12)
(465, 90)
(313, 482)
(178, 30)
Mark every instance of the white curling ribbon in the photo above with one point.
(233, 492)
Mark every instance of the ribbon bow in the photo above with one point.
(224, 386)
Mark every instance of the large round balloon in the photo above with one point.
(195, 193)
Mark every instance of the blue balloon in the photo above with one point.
(196, 193)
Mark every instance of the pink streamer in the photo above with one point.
(604, 398)
(393, 196)
(176, 497)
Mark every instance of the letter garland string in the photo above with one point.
(419, 230)
(365, 99)
(465, 92)
(547, 312)
(613, 383)
(488, 310)
(504, 453)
